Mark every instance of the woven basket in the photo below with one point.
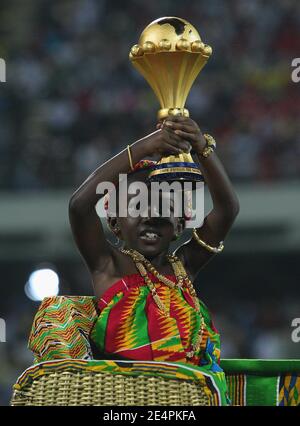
(88, 388)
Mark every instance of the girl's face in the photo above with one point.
(149, 234)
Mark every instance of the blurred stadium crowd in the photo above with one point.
(72, 99)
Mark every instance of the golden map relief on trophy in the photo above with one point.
(169, 55)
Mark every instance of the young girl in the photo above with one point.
(148, 308)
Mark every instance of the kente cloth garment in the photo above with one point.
(61, 328)
(131, 326)
(269, 382)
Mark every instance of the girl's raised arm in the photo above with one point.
(85, 223)
(219, 220)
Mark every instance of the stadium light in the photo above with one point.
(42, 283)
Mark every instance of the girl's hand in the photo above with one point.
(187, 129)
(164, 142)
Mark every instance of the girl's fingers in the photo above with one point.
(184, 146)
(169, 136)
(188, 136)
(182, 120)
(171, 149)
(181, 126)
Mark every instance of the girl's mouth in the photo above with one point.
(149, 236)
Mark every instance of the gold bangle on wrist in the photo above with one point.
(129, 157)
(207, 246)
(210, 145)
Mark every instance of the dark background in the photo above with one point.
(72, 100)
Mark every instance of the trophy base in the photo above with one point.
(175, 176)
(176, 168)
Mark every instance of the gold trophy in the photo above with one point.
(170, 55)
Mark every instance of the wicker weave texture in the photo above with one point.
(71, 388)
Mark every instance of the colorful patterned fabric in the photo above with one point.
(61, 328)
(263, 382)
(143, 164)
(61, 331)
(289, 390)
(211, 383)
(130, 324)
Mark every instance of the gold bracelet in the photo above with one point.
(207, 246)
(210, 145)
(129, 157)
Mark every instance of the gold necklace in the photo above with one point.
(143, 265)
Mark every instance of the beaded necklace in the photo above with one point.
(144, 266)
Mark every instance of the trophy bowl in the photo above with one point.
(169, 55)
